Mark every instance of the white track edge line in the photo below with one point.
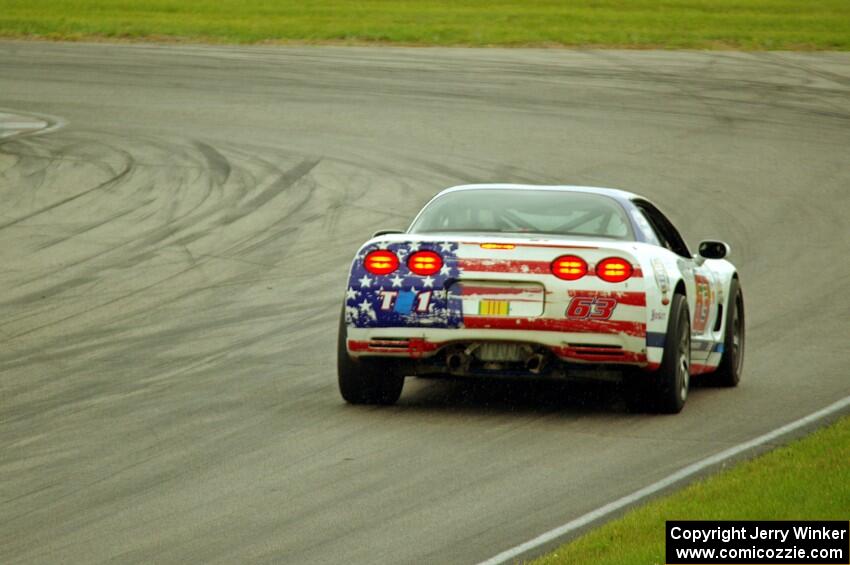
(670, 480)
(52, 123)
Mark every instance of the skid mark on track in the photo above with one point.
(141, 238)
(219, 167)
(112, 181)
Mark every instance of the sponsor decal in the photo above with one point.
(489, 307)
(703, 303)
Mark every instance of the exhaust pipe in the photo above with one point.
(457, 361)
(535, 363)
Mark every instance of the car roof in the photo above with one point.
(624, 198)
(610, 192)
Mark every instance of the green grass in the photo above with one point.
(806, 480)
(747, 24)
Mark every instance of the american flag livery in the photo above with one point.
(403, 298)
(501, 294)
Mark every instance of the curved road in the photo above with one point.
(173, 260)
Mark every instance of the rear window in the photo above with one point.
(549, 212)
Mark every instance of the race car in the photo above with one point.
(524, 281)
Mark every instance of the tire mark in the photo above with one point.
(115, 180)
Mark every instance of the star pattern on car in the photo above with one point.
(403, 296)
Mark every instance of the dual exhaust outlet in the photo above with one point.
(459, 361)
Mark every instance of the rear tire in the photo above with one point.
(728, 373)
(365, 381)
(666, 390)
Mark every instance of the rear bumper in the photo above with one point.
(582, 347)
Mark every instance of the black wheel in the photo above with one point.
(365, 381)
(728, 373)
(666, 390)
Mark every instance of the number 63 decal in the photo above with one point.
(586, 308)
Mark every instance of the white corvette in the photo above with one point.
(540, 281)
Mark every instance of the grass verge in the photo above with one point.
(805, 480)
(701, 24)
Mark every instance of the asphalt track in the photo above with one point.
(173, 261)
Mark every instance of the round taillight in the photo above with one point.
(613, 269)
(569, 267)
(380, 262)
(425, 263)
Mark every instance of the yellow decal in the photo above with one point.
(488, 307)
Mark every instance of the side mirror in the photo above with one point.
(386, 232)
(710, 249)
